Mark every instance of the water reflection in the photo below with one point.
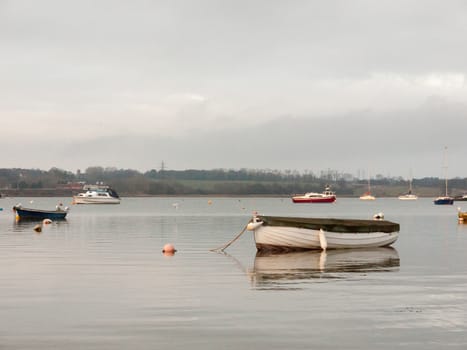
(28, 225)
(286, 270)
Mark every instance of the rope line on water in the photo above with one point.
(225, 246)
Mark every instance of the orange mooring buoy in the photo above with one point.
(169, 249)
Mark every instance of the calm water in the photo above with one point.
(100, 281)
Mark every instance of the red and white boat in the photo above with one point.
(327, 196)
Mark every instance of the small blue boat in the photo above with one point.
(37, 214)
(444, 200)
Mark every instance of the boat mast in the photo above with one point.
(369, 189)
(445, 170)
(410, 182)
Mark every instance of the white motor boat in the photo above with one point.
(97, 194)
(327, 196)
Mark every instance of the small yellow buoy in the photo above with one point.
(169, 249)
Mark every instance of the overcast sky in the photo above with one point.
(198, 84)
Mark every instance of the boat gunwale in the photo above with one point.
(331, 224)
(41, 211)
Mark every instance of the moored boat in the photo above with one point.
(409, 196)
(462, 197)
(446, 199)
(38, 214)
(97, 194)
(292, 233)
(327, 196)
(367, 196)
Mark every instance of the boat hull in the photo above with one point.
(35, 214)
(444, 201)
(95, 200)
(284, 234)
(408, 197)
(330, 199)
(293, 238)
(367, 198)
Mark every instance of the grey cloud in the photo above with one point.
(390, 144)
(299, 72)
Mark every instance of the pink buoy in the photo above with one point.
(169, 249)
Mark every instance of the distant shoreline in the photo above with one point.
(61, 195)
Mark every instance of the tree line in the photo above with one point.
(130, 182)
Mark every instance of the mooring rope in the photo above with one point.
(225, 246)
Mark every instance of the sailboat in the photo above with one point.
(444, 199)
(409, 196)
(367, 196)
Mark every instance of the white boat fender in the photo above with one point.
(322, 240)
(253, 225)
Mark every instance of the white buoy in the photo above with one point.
(378, 216)
(322, 240)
